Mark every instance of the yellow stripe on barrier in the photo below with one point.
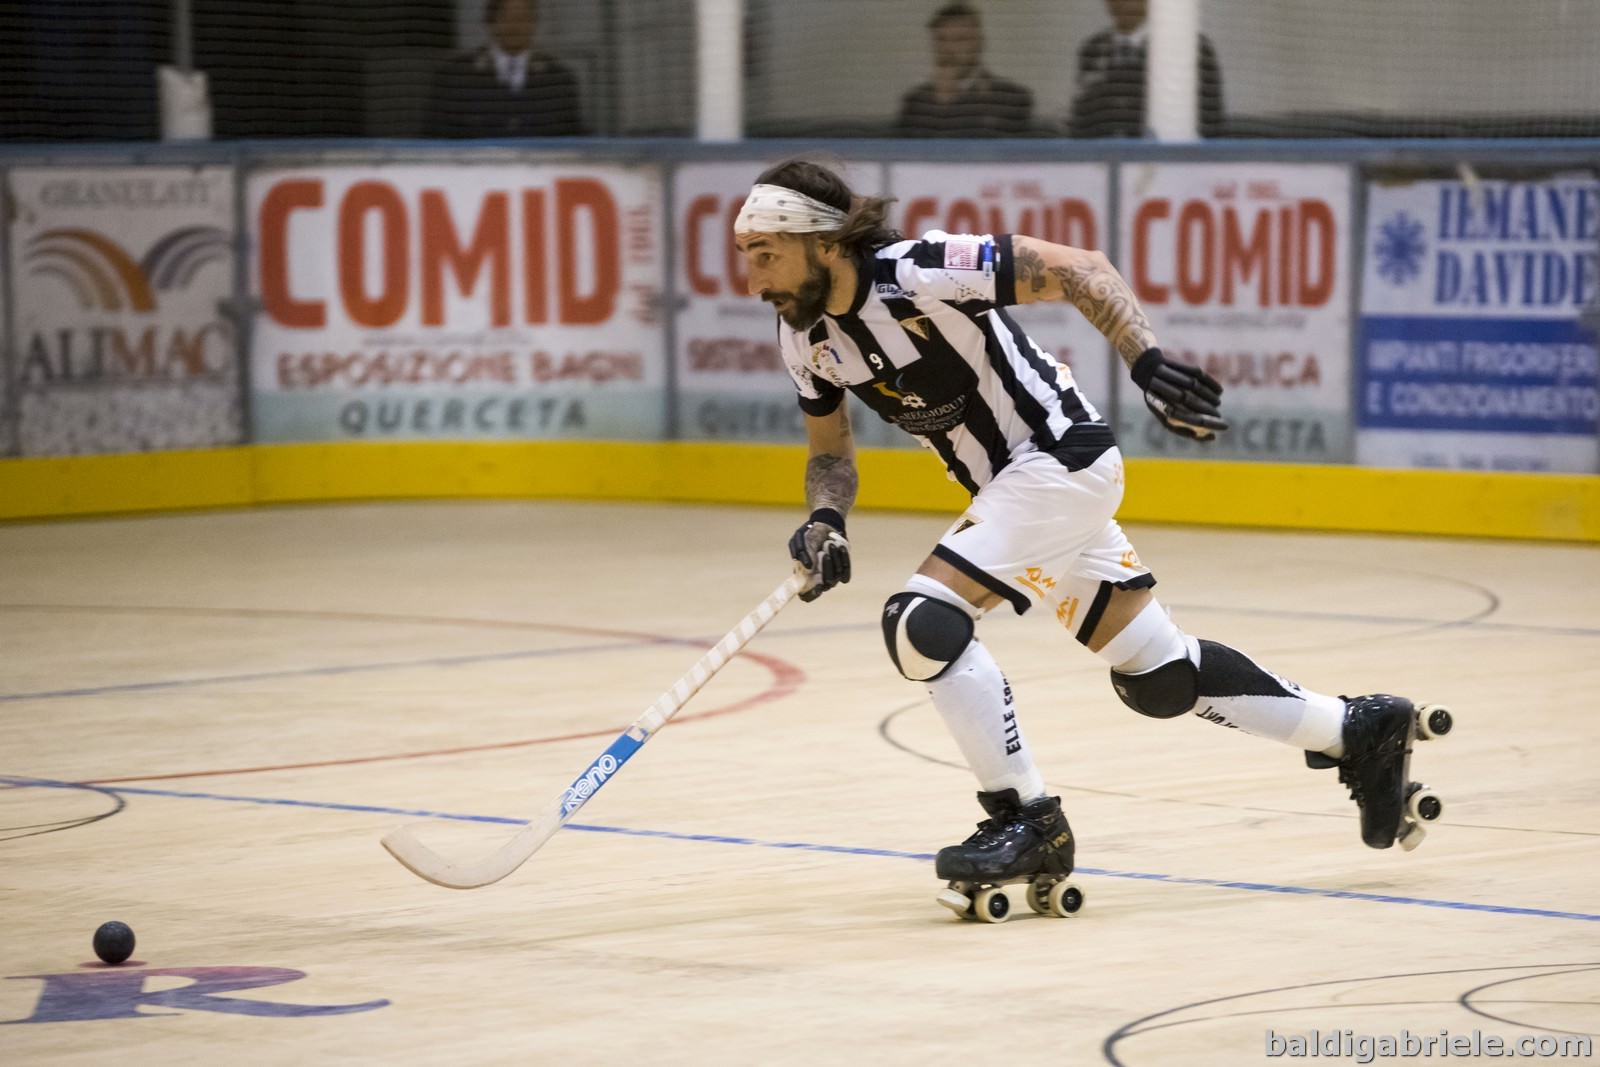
(139, 481)
(1533, 506)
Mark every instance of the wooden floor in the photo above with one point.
(207, 721)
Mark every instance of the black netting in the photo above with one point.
(77, 70)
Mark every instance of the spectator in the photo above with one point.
(1111, 79)
(507, 88)
(963, 99)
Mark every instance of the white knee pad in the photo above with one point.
(1150, 640)
(1155, 667)
(927, 627)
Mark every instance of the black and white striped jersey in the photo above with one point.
(928, 345)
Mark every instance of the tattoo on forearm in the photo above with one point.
(1029, 267)
(1109, 304)
(831, 482)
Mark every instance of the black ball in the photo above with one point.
(113, 942)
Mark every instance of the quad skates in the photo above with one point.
(1017, 843)
(1376, 767)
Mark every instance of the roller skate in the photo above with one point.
(1018, 842)
(1378, 734)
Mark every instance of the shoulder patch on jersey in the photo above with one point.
(961, 255)
(825, 362)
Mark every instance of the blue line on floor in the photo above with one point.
(806, 846)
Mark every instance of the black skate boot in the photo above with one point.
(1378, 734)
(1017, 843)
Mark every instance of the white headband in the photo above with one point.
(774, 209)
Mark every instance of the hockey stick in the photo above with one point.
(426, 863)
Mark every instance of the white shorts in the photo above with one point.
(1040, 533)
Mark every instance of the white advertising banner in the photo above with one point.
(118, 340)
(1473, 353)
(465, 301)
(731, 381)
(1243, 269)
(1068, 203)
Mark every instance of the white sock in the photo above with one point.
(1235, 691)
(974, 700)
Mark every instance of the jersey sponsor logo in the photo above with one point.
(917, 325)
(931, 420)
(801, 378)
(964, 524)
(961, 255)
(910, 400)
(891, 291)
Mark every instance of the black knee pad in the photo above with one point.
(1164, 693)
(924, 635)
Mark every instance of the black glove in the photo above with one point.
(819, 546)
(1184, 398)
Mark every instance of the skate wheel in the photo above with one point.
(1065, 899)
(992, 905)
(956, 901)
(1410, 835)
(1039, 897)
(1423, 804)
(1433, 721)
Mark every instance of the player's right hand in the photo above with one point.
(820, 547)
(1184, 398)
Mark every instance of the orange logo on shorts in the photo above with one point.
(1037, 580)
(1130, 559)
(1066, 610)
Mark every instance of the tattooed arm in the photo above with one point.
(819, 544)
(1184, 398)
(831, 477)
(1087, 280)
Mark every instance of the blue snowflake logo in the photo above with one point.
(1400, 249)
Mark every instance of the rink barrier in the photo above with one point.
(1544, 507)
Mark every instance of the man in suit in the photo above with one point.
(1111, 79)
(507, 88)
(963, 99)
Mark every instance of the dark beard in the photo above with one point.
(807, 304)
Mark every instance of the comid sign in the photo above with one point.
(523, 256)
(1234, 252)
(1244, 269)
(462, 301)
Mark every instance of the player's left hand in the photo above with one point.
(1184, 398)
(821, 548)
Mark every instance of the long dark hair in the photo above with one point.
(866, 225)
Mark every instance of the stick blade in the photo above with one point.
(429, 865)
